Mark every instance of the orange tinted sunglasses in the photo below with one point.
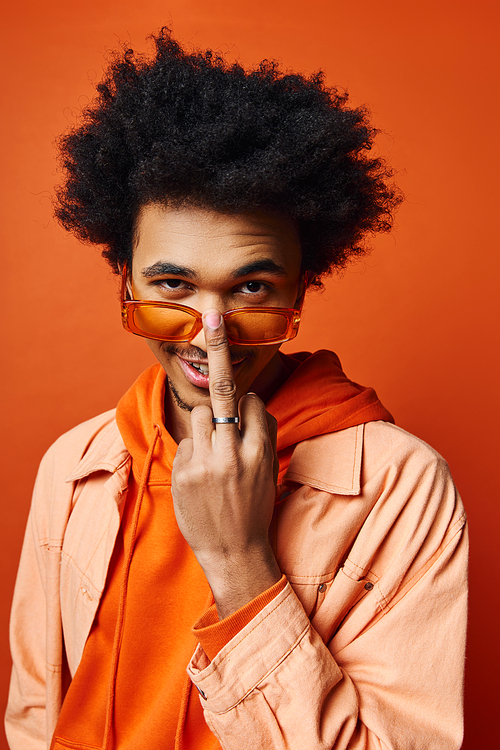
(167, 321)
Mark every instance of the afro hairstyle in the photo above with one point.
(193, 129)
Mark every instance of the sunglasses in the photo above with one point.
(167, 321)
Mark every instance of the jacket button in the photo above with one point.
(201, 693)
(322, 587)
(369, 586)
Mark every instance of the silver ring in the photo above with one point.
(225, 420)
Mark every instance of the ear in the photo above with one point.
(127, 291)
(304, 283)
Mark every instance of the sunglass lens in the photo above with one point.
(161, 322)
(256, 326)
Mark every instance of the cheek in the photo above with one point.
(159, 353)
(154, 346)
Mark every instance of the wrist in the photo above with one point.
(237, 579)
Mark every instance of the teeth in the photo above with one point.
(204, 368)
(201, 368)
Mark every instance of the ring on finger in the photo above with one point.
(225, 420)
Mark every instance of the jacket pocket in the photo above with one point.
(344, 592)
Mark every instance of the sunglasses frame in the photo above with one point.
(128, 307)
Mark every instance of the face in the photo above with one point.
(203, 259)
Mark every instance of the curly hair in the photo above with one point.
(193, 129)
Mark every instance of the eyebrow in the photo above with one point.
(265, 265)
(259, 266)
(160, 268)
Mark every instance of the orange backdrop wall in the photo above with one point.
(417, 319)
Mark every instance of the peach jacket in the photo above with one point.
(364, 648)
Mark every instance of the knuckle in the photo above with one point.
(198, 410)
(186, 478)
(217, 341)
(180, 479)
(224, 387)
(259, 450)
(201, 475)
(200, 414)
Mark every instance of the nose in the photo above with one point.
(199, 340)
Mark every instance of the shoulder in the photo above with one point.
(73, 445)
(95, 446)
(411, 484)
(391, 450)
(85, 431)
(387, 441)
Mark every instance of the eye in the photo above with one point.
(254, 288)
(172, 283)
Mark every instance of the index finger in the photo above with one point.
(220, 369)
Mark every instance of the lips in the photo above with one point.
(196, 371)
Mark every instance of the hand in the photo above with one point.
(224, 484)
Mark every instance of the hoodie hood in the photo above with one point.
(140, 416)
(319, 398)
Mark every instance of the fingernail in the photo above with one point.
(213, 320)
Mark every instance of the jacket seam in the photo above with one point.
(98, 463)
(355, 565)
(70, 559)
(450, 536)
(51, 545)
(313, 578)
(354, 462)
(54, 667)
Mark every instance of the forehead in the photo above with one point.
(213, 243)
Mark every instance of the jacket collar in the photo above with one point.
(330, 462)
(106, 452)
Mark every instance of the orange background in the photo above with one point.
(416, 319)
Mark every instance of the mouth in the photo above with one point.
(200, 366)
(197, 371)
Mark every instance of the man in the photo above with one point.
(252, 517)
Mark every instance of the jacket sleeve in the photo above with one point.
(394, 683)
(36, 636)
(40, 673)
(25, 719)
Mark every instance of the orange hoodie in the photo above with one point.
(131, 689)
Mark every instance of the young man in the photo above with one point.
(253, 517)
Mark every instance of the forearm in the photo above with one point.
(237, 579)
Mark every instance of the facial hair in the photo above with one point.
(178, 400)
